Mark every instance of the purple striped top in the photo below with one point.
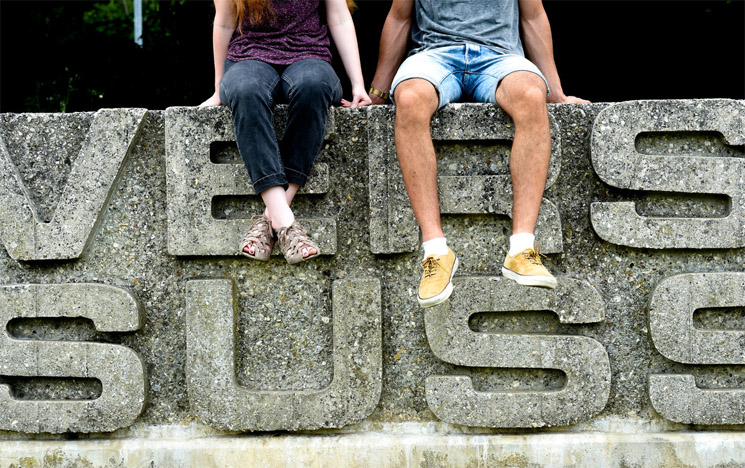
(297, 32)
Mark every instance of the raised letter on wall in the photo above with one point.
(676, 397)
(584, 360)
(221, 402)
(119, 369)
(91, 181)
(393, 227)
(618, 163)
(193, 180)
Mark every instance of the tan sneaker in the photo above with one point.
(526, 268)
(437, 279)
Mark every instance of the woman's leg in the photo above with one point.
(277, 207)
(310, 87)
(249, 88)
(290, 193)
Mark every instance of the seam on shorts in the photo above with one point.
(499, 80)
(437, 85)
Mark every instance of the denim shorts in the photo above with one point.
(464, 72)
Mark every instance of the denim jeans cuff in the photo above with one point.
(270, 181)
(296, 177)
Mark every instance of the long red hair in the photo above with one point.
(260, 10)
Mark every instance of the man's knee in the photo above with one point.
(416, 97)
(522, 92)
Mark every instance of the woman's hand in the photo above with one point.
(359, 98)
(341, 27)
(214, 100)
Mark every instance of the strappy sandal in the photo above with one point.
(292, 240)
(261, 236)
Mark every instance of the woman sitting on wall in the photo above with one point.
(269, 51)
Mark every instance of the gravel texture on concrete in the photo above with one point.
(155, 227)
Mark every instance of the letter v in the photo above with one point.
(92, 179)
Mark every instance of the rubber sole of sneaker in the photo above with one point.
(444, 295)
(540, 281)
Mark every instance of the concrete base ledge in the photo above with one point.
(388, 449)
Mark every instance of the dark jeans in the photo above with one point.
(251, 88)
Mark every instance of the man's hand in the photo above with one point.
(214, 100)
(566, 99)
(574, 100)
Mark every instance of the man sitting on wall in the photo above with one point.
(471, 51)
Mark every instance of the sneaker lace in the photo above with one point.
(533, 255)
(430, 265)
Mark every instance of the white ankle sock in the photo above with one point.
(520, 242)
(436, 246)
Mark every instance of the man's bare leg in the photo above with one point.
(523, 96)
(416, 102)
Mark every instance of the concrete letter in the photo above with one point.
(192, 180)
(676, 397)
(90, 184)
(119, 369)
(618, 163)
(583, 360)
(221, 402)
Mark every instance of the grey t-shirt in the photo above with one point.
(491, 23)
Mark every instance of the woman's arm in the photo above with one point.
(222, 31)
(340, 25)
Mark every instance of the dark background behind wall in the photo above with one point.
(79, 55)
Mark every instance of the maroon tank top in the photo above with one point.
(298, 31)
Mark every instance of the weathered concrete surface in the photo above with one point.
(583, 360)
(118, 368)
(618, 162)
(218, 399)
(416, 446)
(91, 181)
(284, 322)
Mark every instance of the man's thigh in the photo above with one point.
(441, 67)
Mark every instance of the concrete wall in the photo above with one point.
(136, 336)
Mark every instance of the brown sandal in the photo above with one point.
(261, 236)
(292, 240)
